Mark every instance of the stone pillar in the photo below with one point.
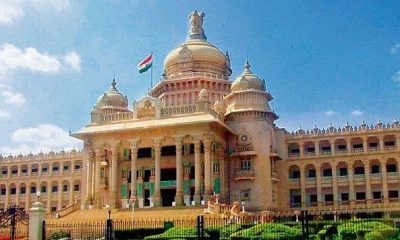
(28, 196)
(60, 193)
(301, 146)
(398, 142)
(197, 172)
(48, 207)
(36, 218)
(89, 183)
(351, 184)
(367, 180)
(316, 146)
(334, 183)
(303, 186)
(96, 189)
(384, 181)
(332, 142)
(222, 172)
(381, 143)
(114, 177)
(319, 183)
(134, 151)
(19, 171)
(71, 192)
(348, 145)
(187, 186)
(365, 144)
(17, 189)
(207, 168)
(157, 185)
(7, 200)
(179, 172)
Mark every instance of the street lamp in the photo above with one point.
(38, 193)
(133, 200)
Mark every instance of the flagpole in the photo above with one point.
(151, 72)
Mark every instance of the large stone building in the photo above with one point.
(196, 134)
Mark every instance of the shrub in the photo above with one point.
(138, 233)
(60, 235)
(374, 235)
(273, 231)
(178, 233)
(354, 230)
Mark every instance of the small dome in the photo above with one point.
(247, 80)
(112, 100)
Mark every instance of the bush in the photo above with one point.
(374, 235)
(354, 230)
(272, 231)
(60, 235)
(178, 233)
(138, 233)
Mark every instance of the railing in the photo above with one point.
(293, 154)
(390, 148)
(357, 150)
(244, 148)
(65, 211)
(341, 151)
(326, 152)
(309, 154)
(373, 149)
(242, 174)
(197, 74)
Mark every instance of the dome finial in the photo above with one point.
(247, 64)
(113, 83)
(196, 26)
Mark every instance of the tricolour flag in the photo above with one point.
(145, 64)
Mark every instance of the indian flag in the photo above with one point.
(145, 64)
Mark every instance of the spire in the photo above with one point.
(247, 66)
(196, 26)
(113, 84)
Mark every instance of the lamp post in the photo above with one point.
(38, 193)
(133, 200)
(243, 203)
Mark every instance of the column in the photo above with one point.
(179, 172)
(71, 192)
(319, 187)
(48, 189)
(89, 183)
(301, 146)
(114, 176)
(398, 142)
(222, 177)
(28, 195)
(17, 189)
(197, 172)
(207, 168)
(367, 180)
(19, 171)
(96, 171)
(7, 200)
(384, 181)
(303, 186)
(134, 151)
(381, 143)
(334, 183)
(351, 183)
(316, 145)
(348, 145)
(157, 166)
(332, 141)
(365, 144)
(60, 193)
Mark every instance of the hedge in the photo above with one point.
(138, 233)
(272, 231)
(354, 230)
(178, 233)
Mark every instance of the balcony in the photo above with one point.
(309, 154)
(326, 152)
(357, 150)
(341, 151)
(373, 149)
(293, 155)
(344, 202)
(390, 148)
(244, 174)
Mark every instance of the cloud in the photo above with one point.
(44, 138)
(13, 59)
(10, 96)
(4, 114)
(395, 48)
(13, 10)
(357, 113)
(10, 11)
(330, 113)
(73, 60)
(396, 76)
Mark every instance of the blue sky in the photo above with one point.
(324, 61)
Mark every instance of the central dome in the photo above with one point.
(196, 54)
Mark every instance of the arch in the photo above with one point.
(12, 189)
(66, 186)
(309, 148)
(66, 166)
(3, 190)
(44, 187)
(392, 167)
(358, 167)
(389, 142)
(294, 172)
(14, 170)
(34, 169)
(55, 167)
(310, 171)
(45, 169)
(31, 189)
(293, 150)
(77, 185)
(54, 187)
(24, 170)
(326, 169)
(325, 147)
(375, 167)
(357, 144)
(23, 190)
(373, 143)
(342, 169)
(341, 145)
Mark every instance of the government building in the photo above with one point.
(201, 133)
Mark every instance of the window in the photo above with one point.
(391, 168)
(389, 143)
(55, 169)
(327, 172)
(144, 153)
(360, 195)
(65, 188)
(44, 189)
(34, 170)
(14, 171)
(24, 170)
(326, 149)
(310, 149)
(295, 175)
(342, 172)
(358, 145)
(44, 170)
(76, 187)
(394, 194)
(311, 173)
(53, 209)
(374, 144)
(376, 195)
(295, 151)
(344, 196)
(245, 164)
(313, 198)
(168, 151)
(375, 169)
(341, 147)
(77, 167)
(359, 170)
(3, 191)
(33, 189)
(328, 197)
(4, 172)
(54, 189)
(13, 191)
(65, 168)
(22, 190)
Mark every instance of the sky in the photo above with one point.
(324, 62)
